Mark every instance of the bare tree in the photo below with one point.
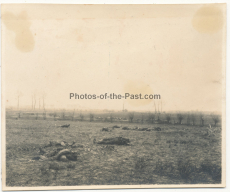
(39, 103)
(142, 118)
(73, 115)
(19, 94)
(111, 117)
(63, 114)
(161, 106)
(151, 117)
(193, 118)
(131, 116)
(33, 100)
(216, 119)
(81, 116)
(55, 114)
(168, 118)
(158, 111)
(158, 117)
(155, 106)
(91, 117)
(43, 100)
(180, 118)
(36, 116)
(188, 119)
(44, 114)
(201, 120)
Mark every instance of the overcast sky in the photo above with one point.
(176, 51)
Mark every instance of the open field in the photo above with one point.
(178, 154)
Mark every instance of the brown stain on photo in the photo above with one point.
(20, 25)
(208, 19)
(136, 87)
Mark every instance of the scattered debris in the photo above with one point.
(58, 151)
(72, 156)
(36, 158)
(63, 143)
(61, 153)
(125, 128)
(63, 158)
(143, 129)
(136, 129)
(53, 144)
(41, 157)
(52, 153)
(67, 125)
(157, 129)
(115, 126)
(105, 129)
(75, 145)
(114, 141)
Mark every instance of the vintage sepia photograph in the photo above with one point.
(113, 96)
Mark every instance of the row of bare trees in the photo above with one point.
(185, 119)
(189, 119)
(81, 115)
(40, 99)
(43, 115)
(37, 99)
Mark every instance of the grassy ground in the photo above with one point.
(178, 154)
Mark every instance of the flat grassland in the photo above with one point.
(178, 154)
